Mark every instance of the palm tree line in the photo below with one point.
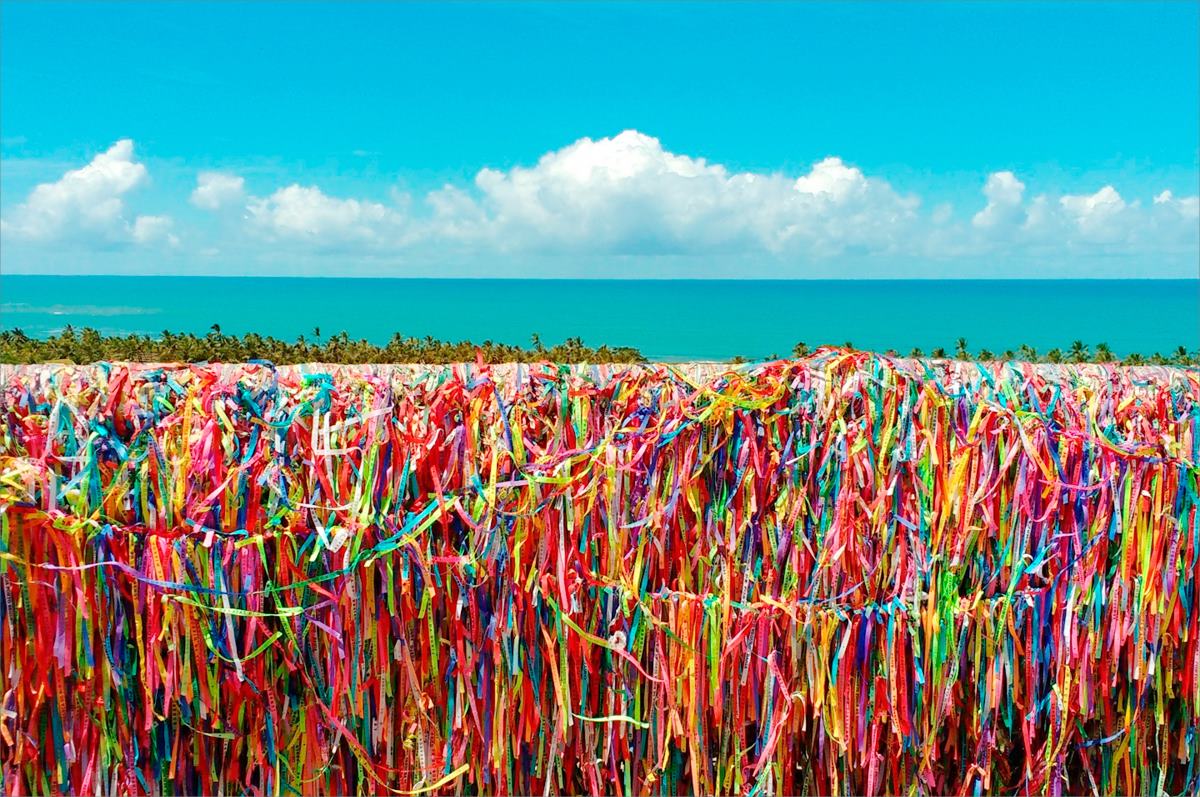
(1077, 352)
(88, 345)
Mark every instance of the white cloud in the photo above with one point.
(833, 180)
(154, 229)
(215, 190)
(1187, 207)
(1102, 221)
(1174, 222)
(87, 204)
(1004, 192)
(305, 213)
(1096, 217)
(628, 195)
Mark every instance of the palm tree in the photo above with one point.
(88, 345)
(91, 346)
(960, 349)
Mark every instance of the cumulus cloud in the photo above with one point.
(216, 190)
(1004, 193)
(1175, 221)
(1185, 209)
(88, 204)
(1101, 221)
(305, 213)
(154, 229)
(1188, 206)
(627, 194)
(833, 180)
(1096, 217)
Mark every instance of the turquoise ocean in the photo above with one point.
(665, 319)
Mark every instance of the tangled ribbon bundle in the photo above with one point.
(846, 574)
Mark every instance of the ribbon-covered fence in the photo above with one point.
(843, 574)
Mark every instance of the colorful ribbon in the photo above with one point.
(846, 574)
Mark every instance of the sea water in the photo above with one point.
(665, 319)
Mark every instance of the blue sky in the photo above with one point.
(875, 139)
